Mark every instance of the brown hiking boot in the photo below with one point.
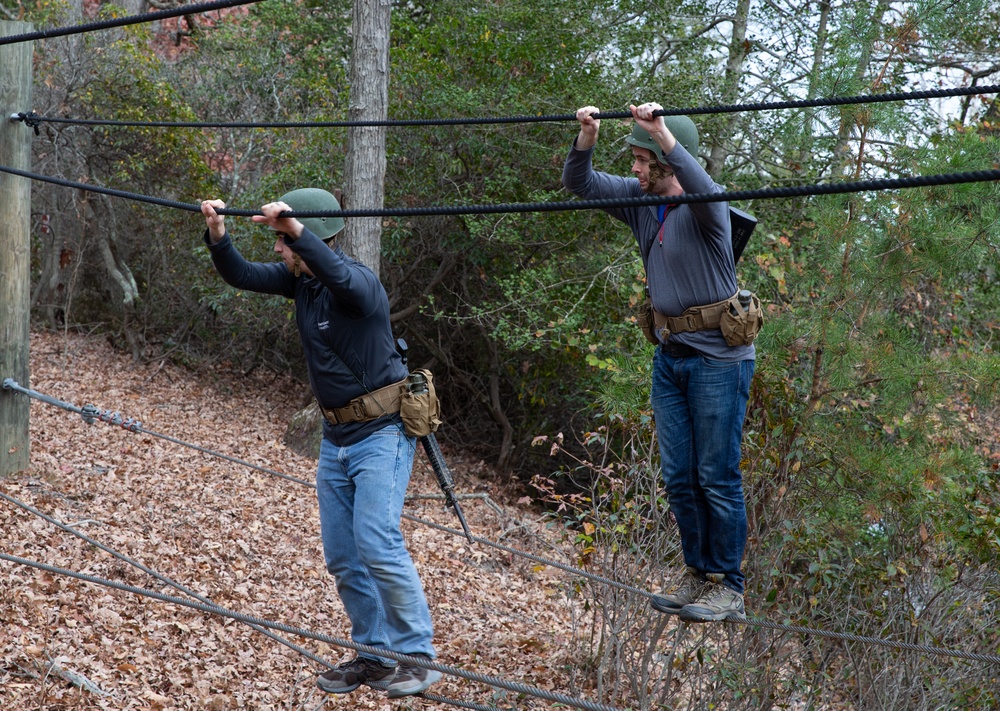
(348, 676)
(716, 602)
(687, 591)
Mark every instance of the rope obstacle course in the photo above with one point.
(91, 414)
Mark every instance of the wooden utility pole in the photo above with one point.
(15, 247)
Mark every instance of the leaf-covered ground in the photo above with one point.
(246, 539)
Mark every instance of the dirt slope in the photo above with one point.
(246, 539)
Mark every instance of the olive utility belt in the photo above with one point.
(370, 406)
(696, 318)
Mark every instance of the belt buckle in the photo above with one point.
(360, 411)
(679, 350)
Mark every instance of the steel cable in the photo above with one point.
(168, 581)
(846, 636)
(335, 641)
(976, 176)
(149, 571)
(91, 414)
(754, 621)
(528, 556)
(31, 117)
(122, 21)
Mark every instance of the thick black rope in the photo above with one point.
(288, 629)
(32, 118)
(919, 181)
(10, 384)
(122, 21)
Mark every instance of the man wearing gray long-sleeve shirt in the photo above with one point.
(701, 384)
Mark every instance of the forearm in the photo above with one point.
(586, 139)
(236, 271)
(350, 282)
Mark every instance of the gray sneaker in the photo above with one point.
(411, 679)
(687, 591)
(717, 602)
(348, 676)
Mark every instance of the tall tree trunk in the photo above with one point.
(731, 87)
(364, 170)
(819, 56)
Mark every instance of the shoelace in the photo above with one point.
(715, 593)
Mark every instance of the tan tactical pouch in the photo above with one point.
(644, 320)
(419, 407)
(739, 325)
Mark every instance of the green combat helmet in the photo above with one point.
(315, 199)
(683, 129)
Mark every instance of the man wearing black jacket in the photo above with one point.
(342, 314)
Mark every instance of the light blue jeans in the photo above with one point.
(361, 488)
(699, 405)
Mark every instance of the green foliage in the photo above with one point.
(869, 460)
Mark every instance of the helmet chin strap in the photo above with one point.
(656, 173)
(296, 265)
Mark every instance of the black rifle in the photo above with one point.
(433, 450)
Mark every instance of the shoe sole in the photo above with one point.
(689, 616)
(377, 685)
(418, 688)
(665, 609)
(337, 690)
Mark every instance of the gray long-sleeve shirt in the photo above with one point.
(693, 263)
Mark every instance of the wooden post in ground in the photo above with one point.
(15, 247)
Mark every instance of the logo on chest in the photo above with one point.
(323, 325)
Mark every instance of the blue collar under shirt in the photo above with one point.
(661, 215)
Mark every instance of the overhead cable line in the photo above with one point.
(857, 186)
(122, 21)
(32, 119)
(419, 661)
(10, 384)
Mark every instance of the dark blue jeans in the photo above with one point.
(699, 405)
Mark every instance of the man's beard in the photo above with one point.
(656, 173)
